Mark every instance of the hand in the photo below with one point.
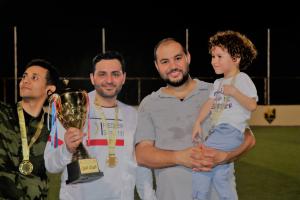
(73, 137)
(192, 157)
(184, 157)
(200, 162)
(197, 131)
(209, 158)
(229, 90)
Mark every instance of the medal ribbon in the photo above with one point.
(25, 146)
(53, 132)
(218, 108)
(111, 138)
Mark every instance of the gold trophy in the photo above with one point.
(71, 110)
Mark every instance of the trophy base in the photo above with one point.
(83, 170)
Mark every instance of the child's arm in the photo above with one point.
(204, 111)
(248, 102)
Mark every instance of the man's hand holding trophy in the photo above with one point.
(71, 108)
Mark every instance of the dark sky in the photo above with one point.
(163, 13)
(68, 33)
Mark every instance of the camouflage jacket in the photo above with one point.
(14, 185)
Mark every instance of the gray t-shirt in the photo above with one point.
(169, 121)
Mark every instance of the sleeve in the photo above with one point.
(144, 183)
(214, 89)
(56, 159)
(246, 86)
(249, 128)
(145, 128)
(9, 187)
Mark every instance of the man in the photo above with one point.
(165, 121)
(109, 120)
(24, 134)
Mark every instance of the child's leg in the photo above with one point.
(222, 181)
(225, 137)
(201, 185)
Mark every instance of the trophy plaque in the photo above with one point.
(71, 110)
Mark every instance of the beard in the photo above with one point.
(179, 82)
(106, 94)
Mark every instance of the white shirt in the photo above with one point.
(234, 113)
(118, 182)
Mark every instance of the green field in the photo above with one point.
(270, 171)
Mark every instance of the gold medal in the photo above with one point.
(25, 167)
(111, 161)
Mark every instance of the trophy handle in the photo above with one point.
(81, 152)
(55, 98)
(86, 98)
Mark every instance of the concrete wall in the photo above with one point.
(276, 115)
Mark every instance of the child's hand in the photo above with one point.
(197, 131)
(229, 90)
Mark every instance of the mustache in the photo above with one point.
(24, 87)
(174, 70)
(104, 85)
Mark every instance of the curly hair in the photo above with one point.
(237, 45)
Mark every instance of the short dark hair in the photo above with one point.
(167, 40)
(52, 76)
(109, 55)
(237, 45)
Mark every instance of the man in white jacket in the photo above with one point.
(109, 119)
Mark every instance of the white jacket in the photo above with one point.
(117, 183)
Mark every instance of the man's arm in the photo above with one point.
(249, 143)
(56, 159)
(150, 156)
(215, 157)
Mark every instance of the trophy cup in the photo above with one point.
(71, 110)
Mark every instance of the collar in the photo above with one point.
(200, 86)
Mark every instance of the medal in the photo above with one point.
(111, 161)
(25, 167)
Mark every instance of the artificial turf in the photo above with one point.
(270, 171)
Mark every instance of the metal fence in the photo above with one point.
(136, 88)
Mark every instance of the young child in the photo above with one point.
(230, 104)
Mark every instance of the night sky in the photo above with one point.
(69, 35)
